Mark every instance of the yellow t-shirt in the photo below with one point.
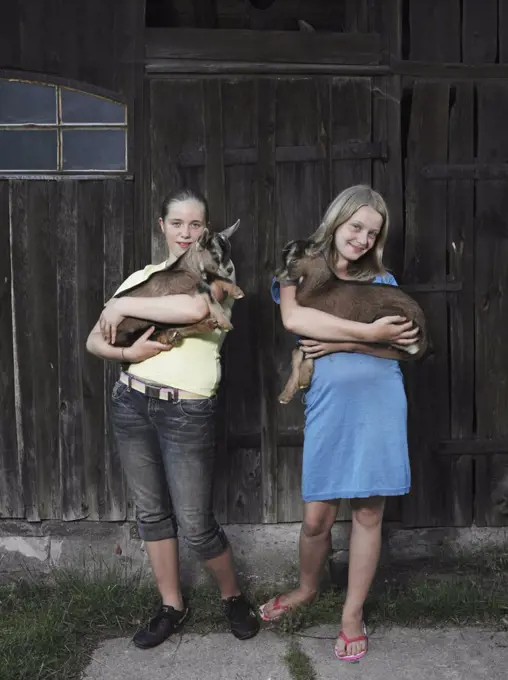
(194, 365)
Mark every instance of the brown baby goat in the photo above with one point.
(202, 264)
(319, 287)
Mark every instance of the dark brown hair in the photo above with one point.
(185, 194)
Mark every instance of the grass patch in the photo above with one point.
(299, 663)
(48, 630)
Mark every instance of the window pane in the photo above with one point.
(28, 150)
(94, 150)
(79, 107)
(27, 103)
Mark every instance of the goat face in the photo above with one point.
(292, 254)
(213, 251)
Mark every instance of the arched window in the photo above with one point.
(51, 128)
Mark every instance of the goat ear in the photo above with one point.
(203, 239)
(228, 233)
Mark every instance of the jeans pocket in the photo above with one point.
(197, 408)
(119, 388)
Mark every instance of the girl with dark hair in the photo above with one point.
(163, 418)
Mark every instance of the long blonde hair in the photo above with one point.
(340, 210)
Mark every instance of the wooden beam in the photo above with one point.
(176, 66)
(292, 154)
(466, 171)
(472, 447)
(291, 47)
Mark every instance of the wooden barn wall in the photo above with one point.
(63, 248)
(65, 245)
(273, 153)
(271, 149)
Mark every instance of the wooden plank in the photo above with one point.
(90, 284)
(177, 127)
(289, 477)
(466, 171)
(73, 481)
(386, 19)
(472, 447)
(351, 123)
(33, 209)
(491, 307)
(262, 46)
(117, 221)
(387, 173)
(245, 490)
(479, 32)
(294, 154)
(42, 206)
(33, 206)
(10, 48)
(171, 67)
(442, 21)
(302, 197)
(460, 237)
(214, 163)
(238, 476)
(11, 496)
(138, 130)
(265, 240)
(503, 32)
(23, 283)
(428, 504)
(327, 150)
(357, 16)
(205, 13)
(455, 72)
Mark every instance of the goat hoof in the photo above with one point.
(284, 398)
(237, 293)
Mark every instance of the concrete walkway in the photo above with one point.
(394, 654)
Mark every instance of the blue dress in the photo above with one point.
(355, 438)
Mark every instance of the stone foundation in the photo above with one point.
(265, 554)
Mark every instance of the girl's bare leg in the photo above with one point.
(364, 551)
(319, 517)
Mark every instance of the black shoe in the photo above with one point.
(160, 627)
(242, 618)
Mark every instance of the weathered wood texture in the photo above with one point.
(59, 233)
(93, 43)
(281, 15)
(425, 125)
(278, 196)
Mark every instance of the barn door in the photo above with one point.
(272, 152)
(456, 244)
(64, 248)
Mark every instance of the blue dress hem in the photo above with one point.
(330, 496)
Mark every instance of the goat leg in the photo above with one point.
(306, 372)
(227, 287)
(293, 383)
(174, 336)
(215, 309)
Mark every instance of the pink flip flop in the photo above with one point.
(277, 607)
(348, 641)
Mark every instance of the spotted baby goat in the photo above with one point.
(320, 288)
(202, 264)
